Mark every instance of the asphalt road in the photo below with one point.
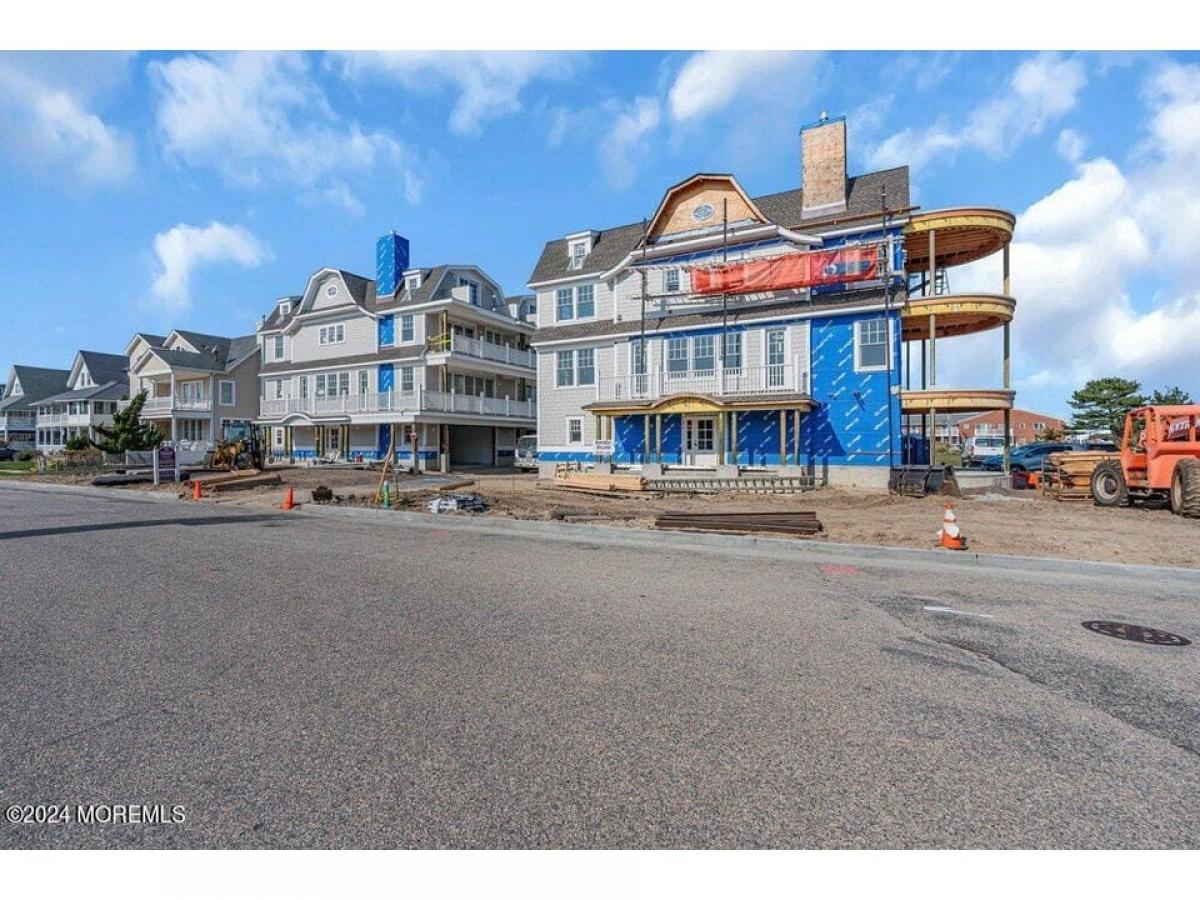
(317, 681)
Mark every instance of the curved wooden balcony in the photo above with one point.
(955, 314)
(956, 400)
(964, 234)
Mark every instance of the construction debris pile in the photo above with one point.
(800, 523)
(458, 503)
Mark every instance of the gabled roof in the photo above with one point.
(112, 390)
(611, 246)
(36, 383)
(223, 351)
(104, 367)
(652, 228)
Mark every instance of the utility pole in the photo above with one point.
(887, 328)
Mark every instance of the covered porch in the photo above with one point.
(701, 432)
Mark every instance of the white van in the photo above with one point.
(982, 447)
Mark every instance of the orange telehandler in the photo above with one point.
(1160, 460)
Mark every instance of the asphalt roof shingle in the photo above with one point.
(864, 195)
(36, 383)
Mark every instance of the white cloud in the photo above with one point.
(1042, 90)
(184, 248)
(622, 145)
(1071, 145)
(489, 84)
(48, 126)
(713, 79)
(260, 118)
(1103, 276)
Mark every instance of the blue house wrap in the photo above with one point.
(387, 330)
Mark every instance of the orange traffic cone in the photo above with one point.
(951, 536)
(197, 490)
(289, 499)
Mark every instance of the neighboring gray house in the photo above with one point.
(25, 386)
(196, 384)
(96, 383)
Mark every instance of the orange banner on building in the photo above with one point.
(796, 270)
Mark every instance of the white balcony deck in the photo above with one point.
(743, 382)
(485, 350)
(369, 407)
(166, 406)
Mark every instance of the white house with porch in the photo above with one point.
(97, 383)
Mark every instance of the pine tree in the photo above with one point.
(1172, 396)
(128, 431)
(1101, 404)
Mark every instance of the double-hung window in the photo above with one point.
(671, 280)
(586, 367)
(278, 342)
(578, 254)
(585, 301)
(776, 355)
(733, 350)
(303, 387)
(364, 381)
(226, 393)
(566, 304)
(406, 328)
(331, 334)
(566, 368)
(870, 346)
(677, 357)
(702, 354)
(406, 379)
(574, 430)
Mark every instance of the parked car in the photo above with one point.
(7, 453)
(1027, 457)
(526, 455)
(981, 448)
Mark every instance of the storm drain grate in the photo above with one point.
(1140, 633)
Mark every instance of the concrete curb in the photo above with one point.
(784, 549)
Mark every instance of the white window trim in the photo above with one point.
(232, 392)
(888, 337)
(570, 442)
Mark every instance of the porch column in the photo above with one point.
(658, 438)
(796, 437)
(932, 350)
(720, 438)
(444, 447)
(733, 437)
(783, 437)
(645, 438)
(933, 434)
(932, 263)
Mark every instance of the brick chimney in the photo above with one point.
(823, 166)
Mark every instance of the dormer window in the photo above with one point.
(579, 252)
(412, 281)
(285, 307)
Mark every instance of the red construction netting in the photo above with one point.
(795, 270)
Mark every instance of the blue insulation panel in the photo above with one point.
(387, 330)
(391, 259)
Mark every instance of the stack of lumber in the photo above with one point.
(799, 523)
(242, 480)
(591, 482)
(1068, 476)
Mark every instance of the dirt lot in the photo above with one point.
(1017, 523)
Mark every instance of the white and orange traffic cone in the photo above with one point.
(197, 491)
(289, 499)
(950, 534)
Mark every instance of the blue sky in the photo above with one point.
(144, 192)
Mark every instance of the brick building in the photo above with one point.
(1026, 426)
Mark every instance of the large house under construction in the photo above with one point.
(793, 334)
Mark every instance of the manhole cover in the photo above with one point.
(1140, 633)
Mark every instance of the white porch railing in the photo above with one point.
(51, 420)
(414, 401)
(496, 352)
(748, 380)
(159, 406)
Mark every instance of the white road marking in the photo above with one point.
(956, 612)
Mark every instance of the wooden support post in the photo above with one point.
(932, 350)
(932, 435)
(658, 438)
(645, 438)
(1007, 286)
(783, 437)
(720, 436)
(733, 435)
(795, 437)
(932, 264)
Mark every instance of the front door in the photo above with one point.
(699, 441)
(333, 438)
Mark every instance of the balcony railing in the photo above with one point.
(164, 406)
(52, 420)
(746, 381)
(480, 349)
(414, 401)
